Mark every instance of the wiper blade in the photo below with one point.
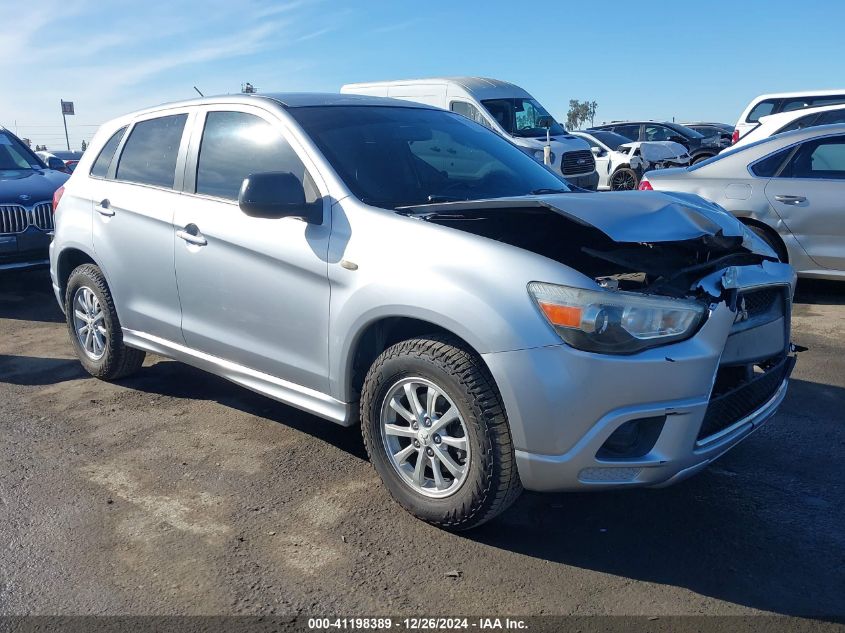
(439, 198)
(539, 192)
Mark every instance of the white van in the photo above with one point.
(501, 106)
(775, 103)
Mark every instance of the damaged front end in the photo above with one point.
(663, 266)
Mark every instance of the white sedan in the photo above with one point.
(789, 189)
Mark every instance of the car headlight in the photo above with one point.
(615, 322)
(538, 154)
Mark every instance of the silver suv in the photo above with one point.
(402, 268)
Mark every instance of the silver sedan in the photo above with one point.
(789, 189)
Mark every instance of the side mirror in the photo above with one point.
(276, 194)
(597, 151)
(545, 121)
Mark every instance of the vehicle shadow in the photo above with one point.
(177, 380)
(820, 291)
(35, 371)
(760, 528)
(28, 296)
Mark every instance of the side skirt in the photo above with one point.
(290, 393)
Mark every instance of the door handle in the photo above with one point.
(104, 208)
(791, 199)
(192, 238)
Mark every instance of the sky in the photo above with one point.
(652, 60)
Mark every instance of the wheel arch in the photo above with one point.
(780, 245)
(375, 337)
(68, 260)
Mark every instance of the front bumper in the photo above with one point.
(29, 249)
(564, 404)
(585, 181)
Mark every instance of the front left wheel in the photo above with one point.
(435, 429)
(94, 328)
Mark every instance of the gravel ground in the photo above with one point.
(175, 492)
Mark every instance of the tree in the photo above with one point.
(580, 112)
(84, 145)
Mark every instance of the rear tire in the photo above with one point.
(486, 480)
(94, 328)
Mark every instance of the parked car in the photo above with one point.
(767, 104)
(26, 208)
(787, 188)
(793, 120)
(69, 157)
(521, 336)
(620, 163)
(501, 106)
(722, 130)
(699, 147)
(52, 161)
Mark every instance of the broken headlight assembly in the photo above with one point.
(615, 322)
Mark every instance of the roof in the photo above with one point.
(800, 93)
(480, 87)
(286, 100)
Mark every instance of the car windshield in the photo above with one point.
(393, 156)
(519, 116)
(611, 139)
(15, 155)
(685, 131)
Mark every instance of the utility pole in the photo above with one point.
(67, 109)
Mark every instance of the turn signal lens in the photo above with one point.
(615, 322)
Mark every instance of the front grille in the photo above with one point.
(736, 396)
(760, 301)
(577, 162)
(15, 218)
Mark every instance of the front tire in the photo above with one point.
(436, 432)
(94, 328)
(624, 179)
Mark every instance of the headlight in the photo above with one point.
(538, 154)
(615, 322)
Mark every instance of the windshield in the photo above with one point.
(15, 155)
(683, 130)
(392, 156)
(611, 139)
(518, 116)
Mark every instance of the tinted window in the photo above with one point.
(769, 166)
(799, 124)
(392, 157)
(659, 133)
(611, 139)
(101, 165)
(764, 108)
(149, 156)
(834, 116)
(235, 145)
(631, 132)
(824, 158)
(15, 155)
(469, 111)
(683, 130)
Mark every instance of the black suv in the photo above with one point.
(699, 146)
(26, 204)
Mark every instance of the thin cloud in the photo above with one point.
(318, 33)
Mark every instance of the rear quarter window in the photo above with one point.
(104, 159)
(764, 108)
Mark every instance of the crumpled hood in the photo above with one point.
(37, 185)
(624, 216)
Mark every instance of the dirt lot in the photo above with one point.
(176, 492)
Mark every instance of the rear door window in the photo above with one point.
(103, 161)
(149, 156)
(821, 159)
(769, 166)
(237, 144)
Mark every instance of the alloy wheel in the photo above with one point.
(89, 323)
